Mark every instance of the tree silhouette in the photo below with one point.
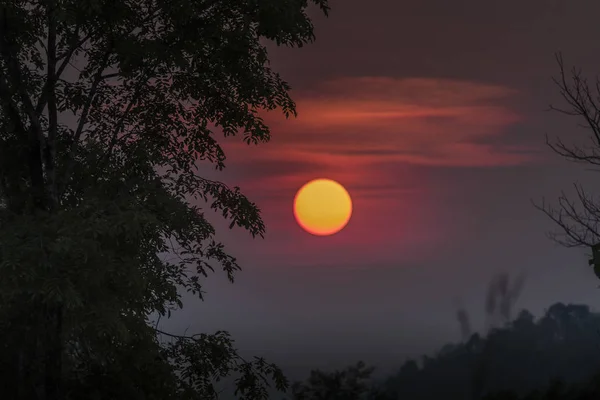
(521, 356)
(352, 383)
(578, 220)
(569, 329)
(107, 107)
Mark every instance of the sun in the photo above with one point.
(322, 207)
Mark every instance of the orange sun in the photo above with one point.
(322, 207)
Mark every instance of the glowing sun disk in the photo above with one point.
(322, 207)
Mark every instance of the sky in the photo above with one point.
(433, 115)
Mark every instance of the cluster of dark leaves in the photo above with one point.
(140, 92)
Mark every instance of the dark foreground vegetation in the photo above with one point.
(107, 110)
(554, 357)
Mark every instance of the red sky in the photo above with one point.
(432, 114)
(362, 132)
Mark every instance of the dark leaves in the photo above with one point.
(150, 86)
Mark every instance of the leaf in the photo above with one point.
(126, 131)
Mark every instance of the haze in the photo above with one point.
(432, 114)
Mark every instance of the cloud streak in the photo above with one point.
(369, 133)
(419, 121)
(365, 121)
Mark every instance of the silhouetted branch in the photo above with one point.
(579, 219)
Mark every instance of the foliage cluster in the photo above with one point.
(107, 109)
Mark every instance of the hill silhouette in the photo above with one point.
(527, 358)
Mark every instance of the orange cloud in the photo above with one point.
(359, 123)
(368, 133)
(424, 121)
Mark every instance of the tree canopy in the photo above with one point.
(108, 107)
(552, 357)
(522, 356)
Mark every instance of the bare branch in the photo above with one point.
(575, 153)
(579, 220)
(184, 337)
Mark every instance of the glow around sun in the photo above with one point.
(322, 207)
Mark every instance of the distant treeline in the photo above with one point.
(525, 358)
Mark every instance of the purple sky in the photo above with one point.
(432, 114)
